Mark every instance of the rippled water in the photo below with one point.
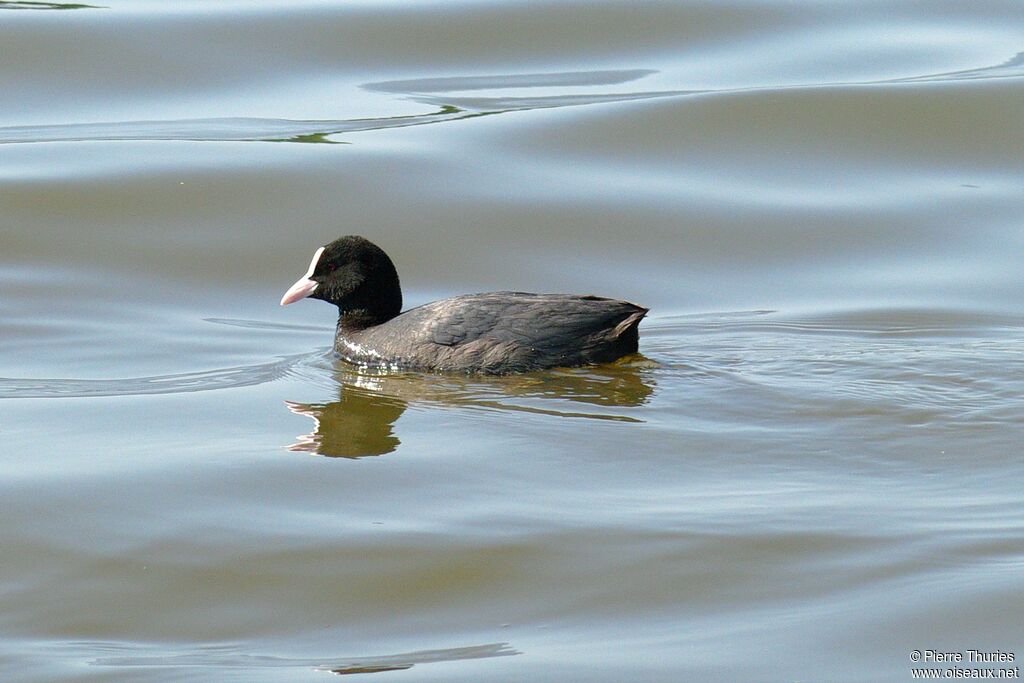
(812, 470)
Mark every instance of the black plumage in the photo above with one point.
(496, 332)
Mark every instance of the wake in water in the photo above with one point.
(204, 380)
(177, 383)
(916, 366)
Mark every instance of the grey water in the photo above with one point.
(812, 470)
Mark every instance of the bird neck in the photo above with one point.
(353, 320)
(368, 311)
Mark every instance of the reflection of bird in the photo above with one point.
(497, 333)
(608, 385)
(356, 425)
(361, 421)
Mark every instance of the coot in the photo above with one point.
(494, 333)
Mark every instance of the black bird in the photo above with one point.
(493, 333)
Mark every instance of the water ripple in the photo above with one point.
(236, 129)
(205, 380)
(27, 4)
(542, 80)
(210, 658)
(438, 92)
(894, 322)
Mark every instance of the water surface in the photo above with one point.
(812, 469)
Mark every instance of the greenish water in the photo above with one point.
(813, 470)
